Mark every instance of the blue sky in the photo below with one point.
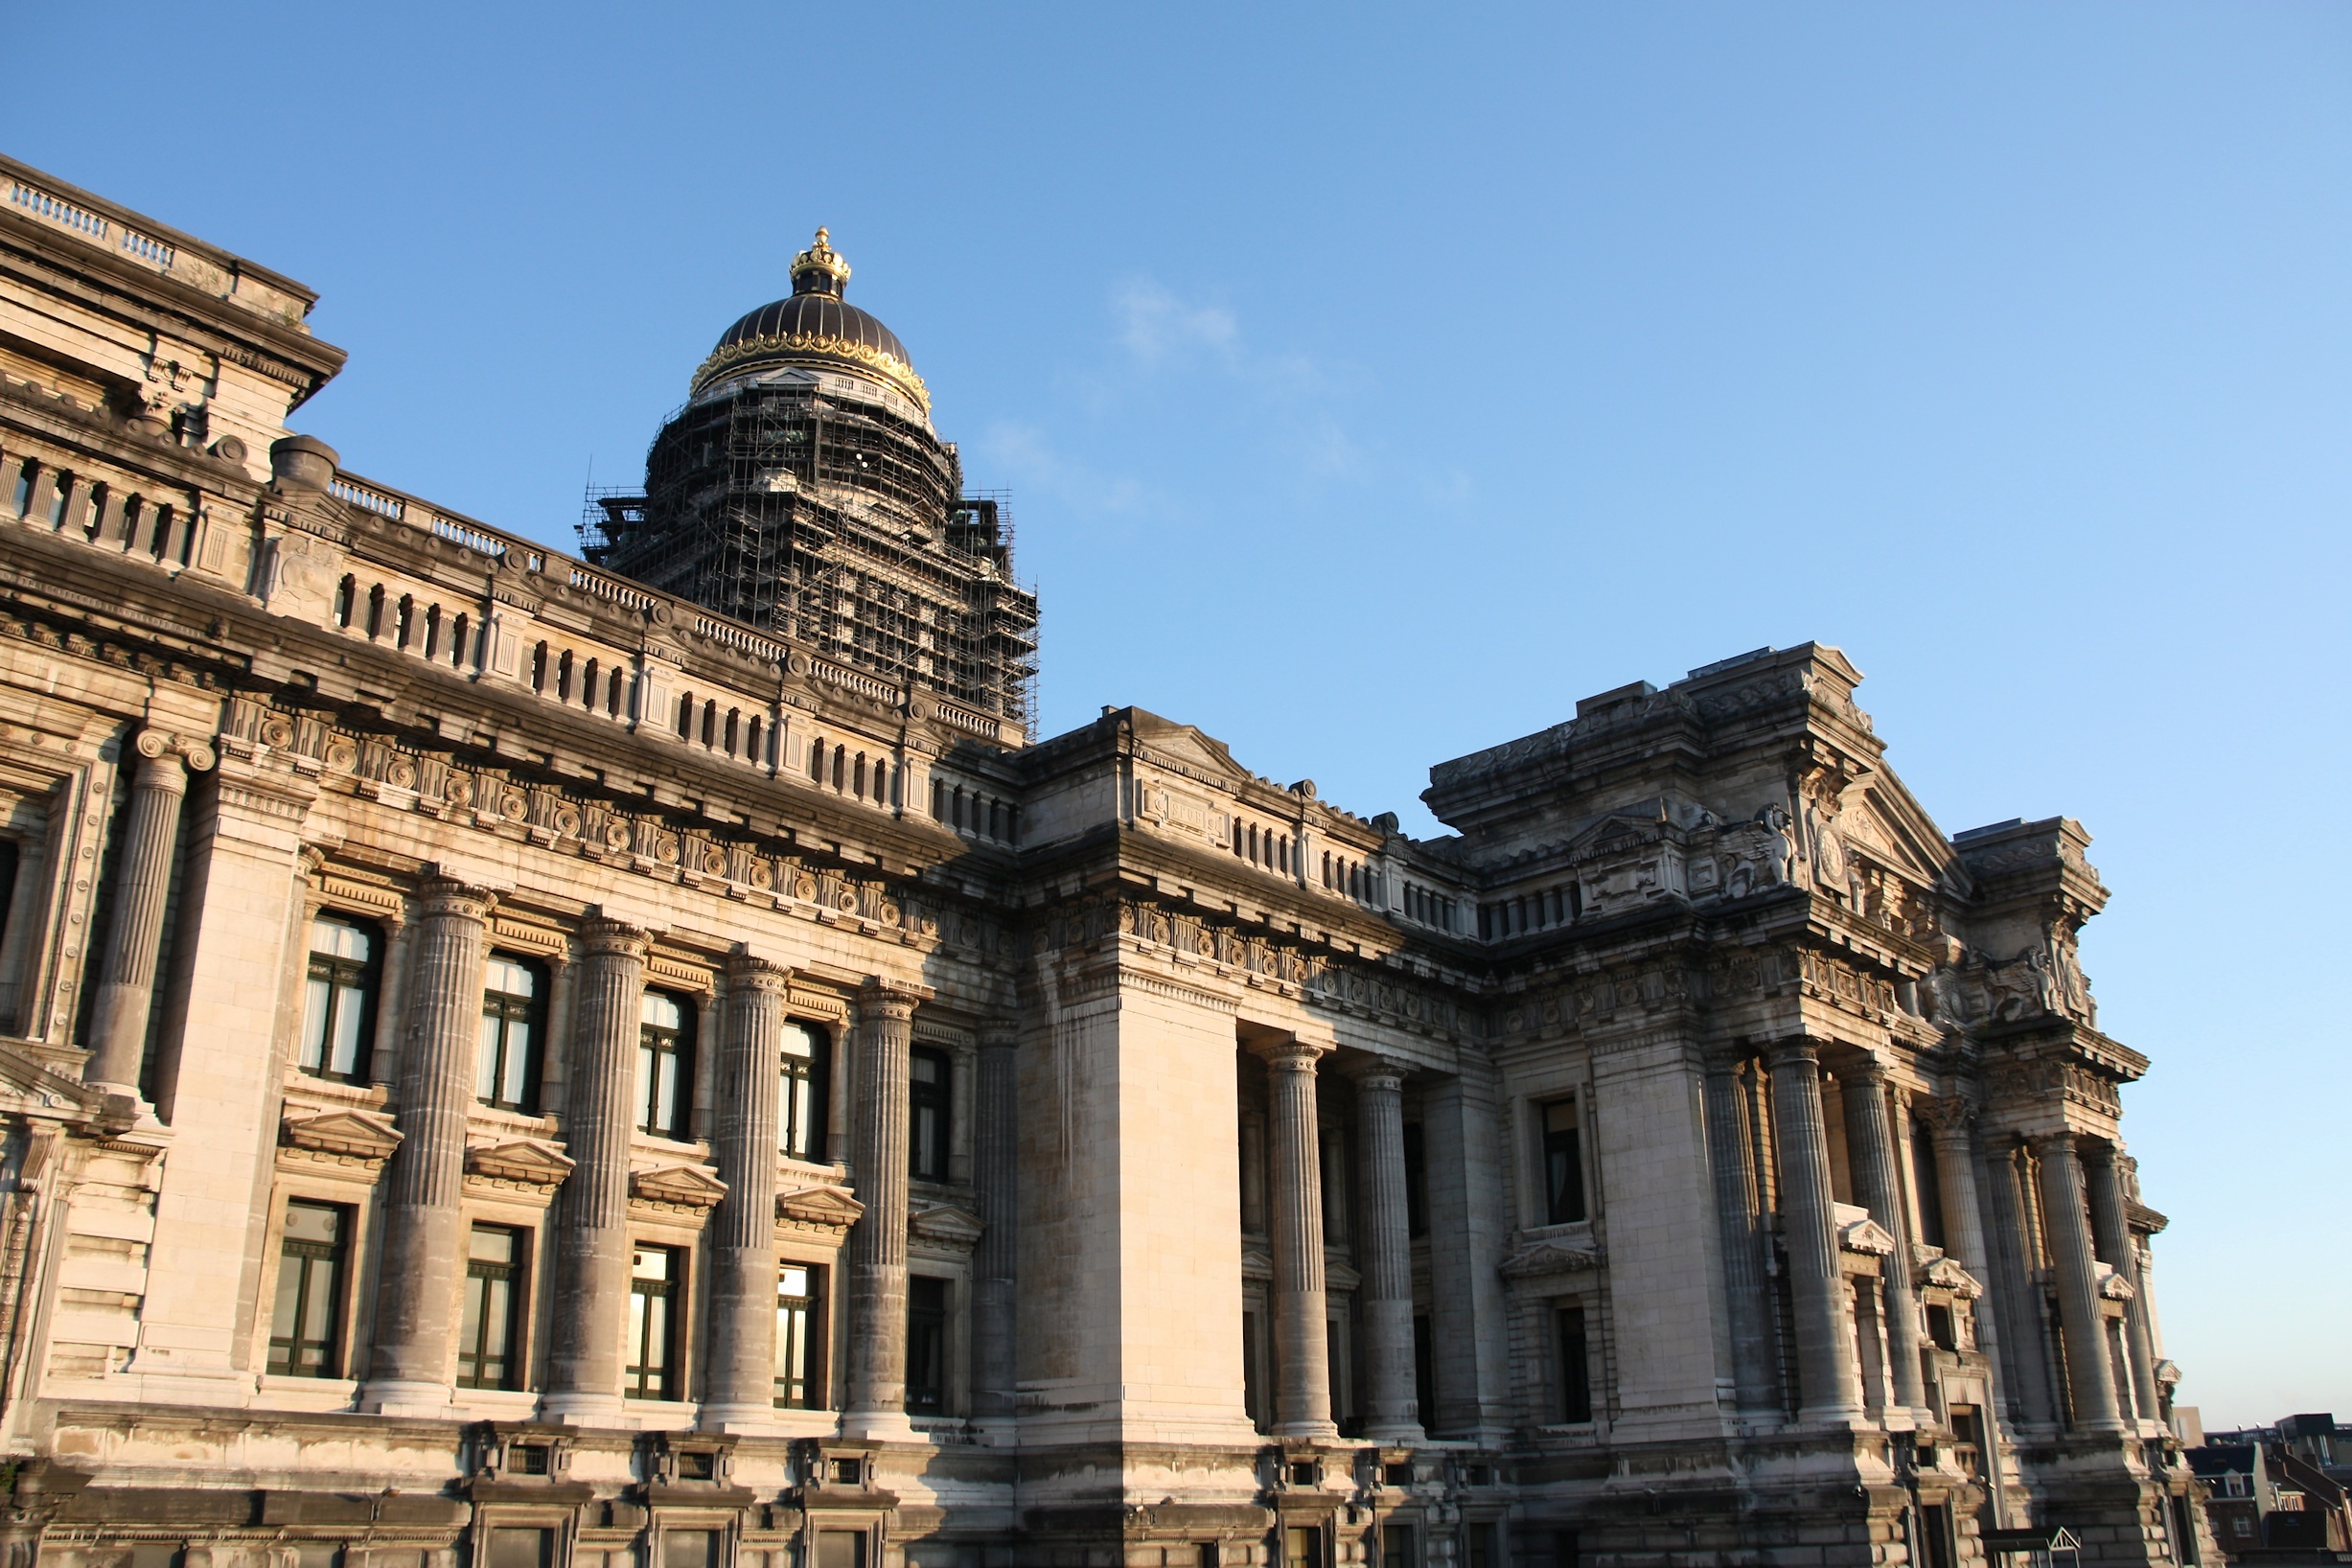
(1374, 381)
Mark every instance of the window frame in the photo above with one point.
(815, 1076)
(341, 975)
(1572, 1343)
(530, 1011)
(309, 1255)
(807, 1367)
(934, 1323)
(515, 1274)
(637, 1373)
(1565, 1202)
(929, 1151)
(680, 1049)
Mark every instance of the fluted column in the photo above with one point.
(143, 881)
(1734, 1159)
(1294, 1203)
(1384, 1301)
(1870, 1142)
(1827, 1379)
(740, 1387)
(996, 1151)
(878, 1243)
(2112, 1234)
(1964, 1244)
(2091, 1377)
(592, 1220)
(423, 1244)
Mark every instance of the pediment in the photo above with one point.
(27, 1074)
(353, 1134)
(528, 1162)
(1550, 1257)
(1256, 1263)
(1858, 1232)
(676, 1186)
(1617, 832)
(944, 1224)
(1187, 747)
(822, 1205)
(2113, 1286)
(1945, 1274)
(1891, 824)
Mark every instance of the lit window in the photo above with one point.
(338, 999)
(800, 1129)
(305, 1330)
(665, 1065)
(796, 1309)
(489, 1335)
(654, 1312)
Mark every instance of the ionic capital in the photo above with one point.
(1289, 1055)
(442, 897)
(1377, 1076)
(886, 1001)
(747, 973)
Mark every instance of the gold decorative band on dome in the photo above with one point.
(888, 365)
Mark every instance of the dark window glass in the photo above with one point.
(1935, 1524)
(1481, 1546)
(796, 1316)
(1940, 1328)
(665, 1065)
(807, 1071)
(657, 1301)
(490, 1329)
(1927, 1181)
(1396, 1546)
(926, 1346)
(927, 1151)
(1417, 1181)
(1563, 1163)
(338, 1009)
(506, 1067)
(1566, 1551)
(307, 1329)
(1575, 1376)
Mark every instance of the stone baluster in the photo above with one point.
(2111, 1232)
(1302, 1390)
(592, 1220)
(877, 1407)
(1732, 1156)
(143, 881)
(740, 1386)
(1384, 1301)
(2090, 1375)
(995, 1315)
(422, 1218)
(1870, 1142)
(1828, 1381)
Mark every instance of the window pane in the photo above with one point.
(665, 1092)
(792, 1281)
(1559, 1116)
(469, 1330)
(313, 1222)
(491, 1244)
(516, 1088)
(798, 1041)
(509, 978)
(650, 1263)
(350, 1009)
(497, 1313)
(282, 1319)
(511, 1548)
(315, 1002)
(926, 1067)
(662, 1012)
(645, 1083)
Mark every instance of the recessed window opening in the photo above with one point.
(665, 1064)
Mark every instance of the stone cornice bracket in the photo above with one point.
(194, 756)
(747, 973)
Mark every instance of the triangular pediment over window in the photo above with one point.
(822, 1205)
(676, 1186)
(527, 1162)
(1186, 746)
(1858, 1232)
(945, 1225)
(357, 1135)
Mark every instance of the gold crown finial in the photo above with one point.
(822, 259)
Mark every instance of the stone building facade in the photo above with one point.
(504, 1063)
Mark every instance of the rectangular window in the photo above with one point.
(1482, 1554)
(689, 1549)
(1396, 1546)
(927, 1143)
(1576, 1375)
(506, 1069)
(1302, 1547)
(1935, 1523)
(926, 1346)
(1417, 1181)
(1563, 1165)
(807, 1060)
(307, 1329)
(796, 1315)
(1566, 1551)
(840, 1548)
(665, 1065)
(339, 1008)
(521, 1547)
(657, 1303)
(490, 1329)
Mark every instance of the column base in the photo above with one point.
(579, 1409)
(878, 1426)
(1306, 1429)
(396, 1397)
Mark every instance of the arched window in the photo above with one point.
(710, 722)
(735, 723)
(404, 622)
(857, 777)
(840, 764)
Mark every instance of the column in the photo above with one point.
(2112, 1234)
(1734, 1159)
(424, 1241)
(996, 1151)
(2014, 1280)
(134, 937)
(1827, 1385)
(592, 1220)
(1385, 1300)
(1293, 1201)
(878, 1244)
(1870, 1140)
(2091, 1377)
(1964, 1238)
(740, 1386)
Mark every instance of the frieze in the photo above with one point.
(2043, 980)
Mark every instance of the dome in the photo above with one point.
(815, 324)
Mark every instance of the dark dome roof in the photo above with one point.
(815, 324)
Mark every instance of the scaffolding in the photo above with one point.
(818, 516)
